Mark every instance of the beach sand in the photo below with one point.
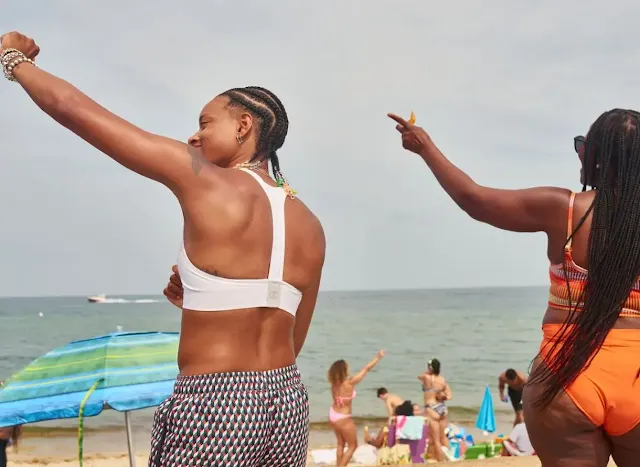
(122, 460)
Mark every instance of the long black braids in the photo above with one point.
(612, 167)
(273, 123)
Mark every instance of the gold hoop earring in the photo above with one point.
(239, 139)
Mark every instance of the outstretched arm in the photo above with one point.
(362, 373)
(527, 210)
(167, 161)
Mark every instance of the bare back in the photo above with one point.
(228, 233)
(343, 395)
(431, 386)
(580, 251)
(392, 402)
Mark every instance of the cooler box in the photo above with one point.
(483, 449)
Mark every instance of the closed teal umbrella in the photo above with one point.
(486, 420)
(121, 371)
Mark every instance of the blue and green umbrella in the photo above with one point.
(122, 371)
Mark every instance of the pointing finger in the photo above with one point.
(400, 120)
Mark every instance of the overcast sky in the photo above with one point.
(501, 86)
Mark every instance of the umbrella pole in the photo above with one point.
(132, 455)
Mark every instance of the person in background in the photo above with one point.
(582, 397)
(343, 392)
(406, 408)
(515, 381)
(9, 435)
(436, 392)
(518, 443)
(391, 401)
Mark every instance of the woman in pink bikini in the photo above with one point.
(343, 392)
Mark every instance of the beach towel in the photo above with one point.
(410, 428)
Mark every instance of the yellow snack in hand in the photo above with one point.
(412, 118)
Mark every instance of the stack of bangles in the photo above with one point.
(11, 58)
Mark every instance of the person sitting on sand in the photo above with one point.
(406, 408)
(518, 443)
(343, 392)
(515, 381)
(391, 401)
(250, 262)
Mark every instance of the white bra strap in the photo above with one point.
(277, 198)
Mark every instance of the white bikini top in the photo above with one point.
(206, 292)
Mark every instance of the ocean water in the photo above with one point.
(475, 333)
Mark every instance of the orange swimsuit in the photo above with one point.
(608, 390)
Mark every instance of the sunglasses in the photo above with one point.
(579, 142)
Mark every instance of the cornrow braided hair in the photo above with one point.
(273, 123)
(612, 161)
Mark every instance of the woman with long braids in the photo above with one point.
(582, 401)
(248, 295)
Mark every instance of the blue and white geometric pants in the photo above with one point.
(238, 419)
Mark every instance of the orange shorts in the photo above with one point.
(608, 390)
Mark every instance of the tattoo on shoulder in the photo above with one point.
(196, 160)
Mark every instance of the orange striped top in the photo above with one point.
(577, 278)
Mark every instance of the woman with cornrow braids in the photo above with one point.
(248, 295)
(582, 400)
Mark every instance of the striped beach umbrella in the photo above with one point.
(123, 371)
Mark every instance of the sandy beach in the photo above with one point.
(105, 449)
(121, 460)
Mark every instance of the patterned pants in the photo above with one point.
(240, 419)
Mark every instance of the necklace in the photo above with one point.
(256, 167)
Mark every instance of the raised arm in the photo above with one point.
(167, 161)
(362, 373)
(527, 210)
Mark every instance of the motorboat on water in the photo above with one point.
(97, 298)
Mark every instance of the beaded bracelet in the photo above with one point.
(11, 58)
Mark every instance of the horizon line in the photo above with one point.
(354, 291)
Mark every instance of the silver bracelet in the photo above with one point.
(11, 58)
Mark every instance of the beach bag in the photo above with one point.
(398, 454)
